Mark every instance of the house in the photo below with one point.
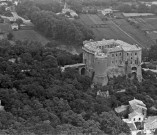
(12, 60)
(14, 26)
(150, 125)
(137, 118)
(67, 11)
(122, 110)
(133, 128)
(3, 4)
(103, 93)
(107, 11)
(138, 110)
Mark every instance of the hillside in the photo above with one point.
(115, 29)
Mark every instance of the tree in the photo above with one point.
(111, 124)
(19, 21)
(154, 9)
(142, 8)
(10, 36)
(125, 8)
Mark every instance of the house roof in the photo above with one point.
(137, 104)
(133, 114)
(132, 126)
(151, 122)
(121, 108)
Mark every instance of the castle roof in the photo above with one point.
(115, 45)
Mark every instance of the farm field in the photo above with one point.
(151, 21)
(29, 35)
(134, 32)
(90, 19)
(117, 29)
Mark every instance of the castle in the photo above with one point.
(108, 58)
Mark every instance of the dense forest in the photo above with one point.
(56, 27)
(38, 98)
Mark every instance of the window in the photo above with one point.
(116, 54)
(131, 62)
(112, 55)
(120, 54)
(131, 57)
(127, 54)
(139, 119)
(134, 119)
(112, 62)
(135, 61)
(85, 61)
(135, 53)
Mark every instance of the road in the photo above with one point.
(126, 33)
(16, 16)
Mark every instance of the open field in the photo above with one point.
(134, 32)
(29, 35)
(117, 29)
(151, 21)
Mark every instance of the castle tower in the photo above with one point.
(100, 69)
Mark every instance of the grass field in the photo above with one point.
(117, 29)
(137, 34)
(151, 21)
(29, 35)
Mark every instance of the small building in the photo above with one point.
(12, 60)
(150, 125)
(66, 10)
(122, 110)
(14, 26)
(104, 94)
(137, 107)
(107, 11)
(3, 4)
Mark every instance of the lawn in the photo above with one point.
(29, 35)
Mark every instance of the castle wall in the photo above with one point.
(115, 58)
